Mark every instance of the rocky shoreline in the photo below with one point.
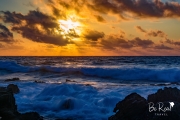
(162, 105)
(8, 107)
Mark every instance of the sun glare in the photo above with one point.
(69, 26)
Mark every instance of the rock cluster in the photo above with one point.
(8, 107)
(135, 107)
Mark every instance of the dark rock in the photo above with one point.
(37, 81)
(30, 116)
(8, 108)
(173, 114)
(175, 83)
(67, 80)
(68, 104)
(168, 94)
(13, 79)
(14, 88)
(133, 107)
(64, 119)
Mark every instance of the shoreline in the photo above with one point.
(69, 103)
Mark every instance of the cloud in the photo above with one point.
(36, 35)
(5, 35)
(112, 42)
(36, 26)
(93, 35)
(37, 17)
(137, 8)
(141, 43)
(100, 18)
(12, 17)
(156, 33)
(172, 42)
(125, 9)
(140, 29)
(162, 46)
(152, 33)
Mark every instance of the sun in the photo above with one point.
(70, 28)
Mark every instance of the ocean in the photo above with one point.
(85, 88)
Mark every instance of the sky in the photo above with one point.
(89, 27)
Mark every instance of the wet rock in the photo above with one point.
(14, 88)
(173, 114)
(13, 79)
(30, 116)
(67, 80)
(164, 95)
(133, 107)
(8, 107)
(37, 81)
(68, 104)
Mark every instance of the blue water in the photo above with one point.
(89, 87)
(114, 68)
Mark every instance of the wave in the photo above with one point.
(171, 74)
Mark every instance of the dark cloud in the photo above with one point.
(141, 43)
(5, 35)
(93, 35)
(152, 33)
(75, 5)
(112, 42)
(157, 33)
(37, 27)
(103, 6)
(140, 8)
(177, 43)
(100, 18)
(162, 46)
(58, 13)
(12, 17)
(172, 42)
(140, 29)
(37, 17)
(36, 35)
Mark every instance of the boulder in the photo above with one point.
(13, 88)
(8, 107)
(133, 107)
(30, 116)
(38, 81)
(13, 79)
(164, 95)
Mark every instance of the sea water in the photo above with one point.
(85, 88)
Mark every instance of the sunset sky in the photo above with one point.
(89, 27)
